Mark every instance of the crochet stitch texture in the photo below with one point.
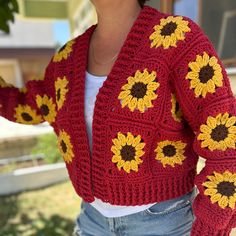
(166, 101)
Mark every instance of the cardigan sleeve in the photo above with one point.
(205, 96)
(30, 105)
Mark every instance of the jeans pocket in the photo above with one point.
(159, 209)
(173, 205)
(175, 219)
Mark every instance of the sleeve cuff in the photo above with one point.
(201, 228)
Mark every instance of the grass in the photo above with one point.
(45, 212)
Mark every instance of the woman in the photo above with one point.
(105, 42)
(134, 101)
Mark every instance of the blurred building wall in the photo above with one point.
(26, 51)
(81, 15)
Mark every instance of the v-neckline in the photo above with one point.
(84, 41)
(78, 68)
(93, 27)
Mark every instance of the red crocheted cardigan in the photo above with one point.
(166, 101)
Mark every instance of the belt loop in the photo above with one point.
(111, 223)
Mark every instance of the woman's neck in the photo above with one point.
(115, 18)
(114, 23)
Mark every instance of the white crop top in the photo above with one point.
(92, 85)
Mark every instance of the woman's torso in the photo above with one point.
(95, 76)
(92, 85)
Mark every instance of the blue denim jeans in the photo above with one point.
(173, 217)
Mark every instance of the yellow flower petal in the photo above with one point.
(223, 202)
(130, 138)
(216, 197)
(194, 66)
(116, 158)
(124, 94)
(231, 121)
(140, 146)
(232, 202)
(139, 153)
(127, 166)
(122, 138)
(115, 150)
(141, 105)
(205, 129)
(136, 140)
(133, 104)
(209, 184)
(224, 118)
(210, 192)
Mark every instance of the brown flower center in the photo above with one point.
(206, 73)
(26, 116)
(63, 146)
(169, 150)
(44, 109)
(169, 29)
(220, 132)
(128, 153)
(139, 90)
(58, 94)
(226, 188)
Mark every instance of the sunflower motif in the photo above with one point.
(175, 109)
(139, 91)
(205, 74)
(24, 114)
(4, 84)
(65, 146)
(47, 108)
(64, 52)
(219, 132)
(127, 151)
(170, 152)
(221, 188)
(61, 91)
(169, 31)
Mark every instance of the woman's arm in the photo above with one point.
(32, 104)
(206, 98)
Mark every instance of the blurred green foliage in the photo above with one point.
(49, 211)
(47, 144)
(7, 10)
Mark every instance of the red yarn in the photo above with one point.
(145, 150)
